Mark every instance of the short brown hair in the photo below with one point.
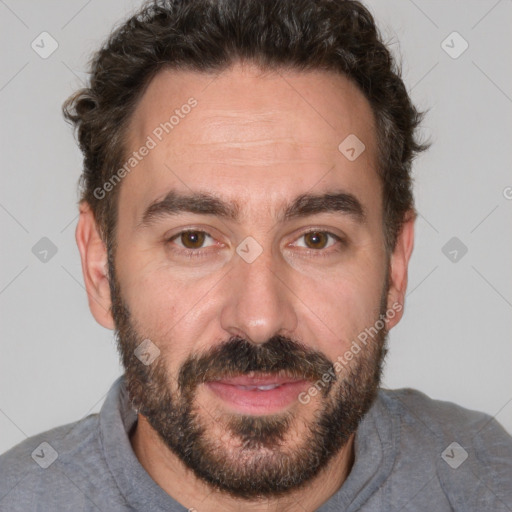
(211, 35)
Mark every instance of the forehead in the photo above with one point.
(250, 136)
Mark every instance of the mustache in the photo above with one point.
(279, 355)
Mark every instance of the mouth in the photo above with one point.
(258, 394)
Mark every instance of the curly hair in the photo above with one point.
(211, 35)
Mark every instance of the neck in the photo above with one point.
(168, 471)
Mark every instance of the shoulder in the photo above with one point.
(47, 467)
(42, 450)
(442, 416)
(469, 451)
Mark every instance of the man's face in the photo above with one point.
(253, 289)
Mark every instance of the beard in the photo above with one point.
(249, 456)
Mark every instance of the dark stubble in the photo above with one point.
(263, 466)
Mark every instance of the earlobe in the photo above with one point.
(399, 264)
(94, 266)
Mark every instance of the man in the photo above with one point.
(246, 225)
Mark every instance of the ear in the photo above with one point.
(398, 265)
(94, 266)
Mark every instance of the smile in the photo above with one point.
(264, 394)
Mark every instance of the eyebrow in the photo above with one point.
(203, 203)
(340, 202)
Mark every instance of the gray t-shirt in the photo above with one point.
(412, 454)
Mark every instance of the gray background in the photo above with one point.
(56, 363)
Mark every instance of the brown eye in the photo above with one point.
(316, 239)
(192, 239)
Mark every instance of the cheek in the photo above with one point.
(347, 303)
(172, 309)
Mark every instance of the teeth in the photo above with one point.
(261, 388)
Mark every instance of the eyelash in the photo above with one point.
(321, 253)
(203, 252)
(190, 253)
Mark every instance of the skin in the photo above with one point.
(258, 140)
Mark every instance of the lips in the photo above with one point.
(258, 394)
(257, 380)
(259, 388)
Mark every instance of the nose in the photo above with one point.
(259, 302)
